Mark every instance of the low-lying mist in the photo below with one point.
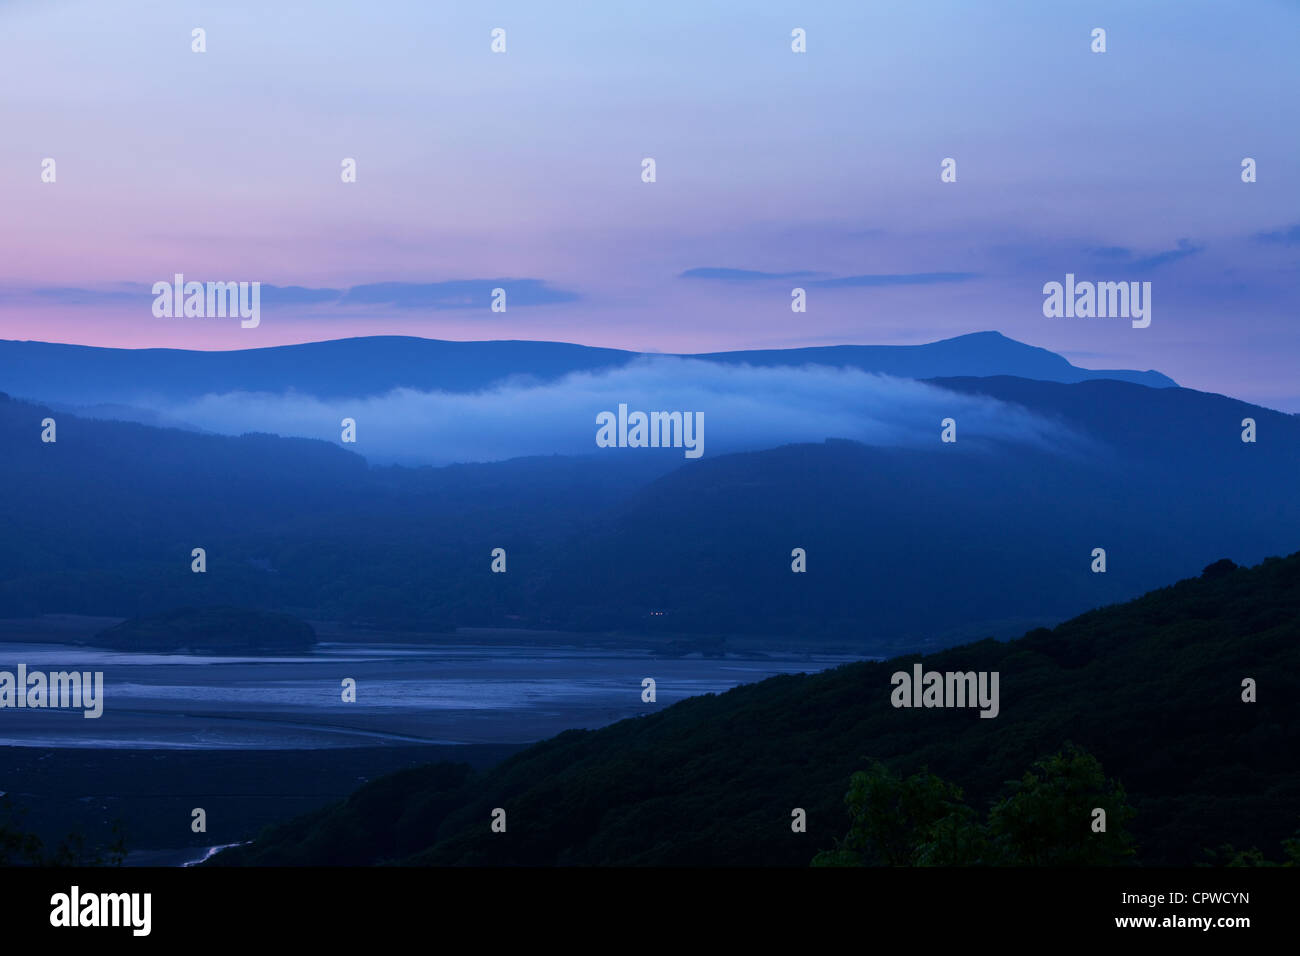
(743, 408)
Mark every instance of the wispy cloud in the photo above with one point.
(1288, 237)
(908, 278)
(282, 295)
(744, 275)
(888, 279)
(449, 294)
(1127, 258)
(1184, 249)
(455, 294)
(120, 293)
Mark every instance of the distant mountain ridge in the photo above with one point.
(978, 354)
(210, 630)
(359, 367)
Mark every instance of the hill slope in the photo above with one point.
(908, 548)
(1151, 687)
(359, 367)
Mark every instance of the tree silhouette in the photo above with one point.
(1046, 819)
(20, 847)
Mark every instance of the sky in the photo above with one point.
(522, 170)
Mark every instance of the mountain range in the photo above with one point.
(360, 367)
(908, 546)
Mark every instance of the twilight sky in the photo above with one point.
(774, 170)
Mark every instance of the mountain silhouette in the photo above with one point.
(359, 367)
(1152, 687)
(908, 546)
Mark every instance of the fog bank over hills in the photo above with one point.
(910, 541)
